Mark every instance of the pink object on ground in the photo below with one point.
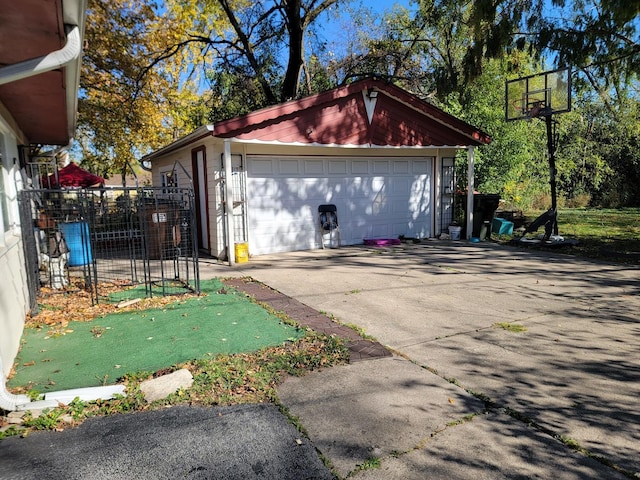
(380, 242)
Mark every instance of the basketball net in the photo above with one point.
(535, 110)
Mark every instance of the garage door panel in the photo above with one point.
(282, 208)
(314, 167)
(358, 187)
(267, 188)
(380, 167)
(401, 185)
(381, 207)
(288, 167)
(380, 231)
(378, 184)
(337, 167)
(260, 166)
(399, 209)
(421, 166)
(401, 167)
(360, 167)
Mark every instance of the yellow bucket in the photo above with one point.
(242, 252)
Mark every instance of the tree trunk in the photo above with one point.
(295, 28)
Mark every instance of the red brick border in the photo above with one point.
(359, 348)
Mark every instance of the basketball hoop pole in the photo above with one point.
(551, 148)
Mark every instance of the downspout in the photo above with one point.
(9, 401)
(46, 63)
(228, 200)
(470, 189)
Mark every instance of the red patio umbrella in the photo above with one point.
(72, 176)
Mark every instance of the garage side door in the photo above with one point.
(375, 197)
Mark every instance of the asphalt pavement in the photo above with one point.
(507, 363)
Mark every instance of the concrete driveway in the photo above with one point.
(464, 397)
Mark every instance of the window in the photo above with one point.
(169, 179)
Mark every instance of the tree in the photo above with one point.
(263, 47)
(118, 112)
(612, 138)
(598, 36)
(199, 60)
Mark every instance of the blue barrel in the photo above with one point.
(76, 234)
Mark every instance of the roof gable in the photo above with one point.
(344, 116)
(340, 117)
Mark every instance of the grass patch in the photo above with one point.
(454, 381)
(461, 421)
(369, 463)
(103, 350)
(573, 444)
(511, 327)
(602, 233)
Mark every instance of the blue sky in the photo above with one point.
(336, 20)
(382, 5)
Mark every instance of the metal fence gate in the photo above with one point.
(447, 195)
(99, 238)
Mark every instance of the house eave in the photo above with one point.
(340, 145)
(196, 135)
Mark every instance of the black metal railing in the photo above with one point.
(98, 237)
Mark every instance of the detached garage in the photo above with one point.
(382, 156)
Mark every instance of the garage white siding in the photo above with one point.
(375, 197)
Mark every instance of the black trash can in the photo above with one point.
(484, 208)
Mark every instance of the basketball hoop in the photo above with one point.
(541, 96)
(535, 111)
(529, 108)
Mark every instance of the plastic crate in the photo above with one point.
(501, 226)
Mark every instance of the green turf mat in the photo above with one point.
(101, 351)
(157, 289)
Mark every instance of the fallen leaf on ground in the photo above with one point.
(59, 307)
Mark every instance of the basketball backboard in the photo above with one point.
(538, 95)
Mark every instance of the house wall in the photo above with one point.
(185, 176)
(214, 149)
(13, 294)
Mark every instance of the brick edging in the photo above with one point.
(359, 348)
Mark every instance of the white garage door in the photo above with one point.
(375, 197)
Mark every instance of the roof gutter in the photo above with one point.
(59, 58)
(199, 133)
(67, 56)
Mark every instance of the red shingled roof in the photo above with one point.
(339, 117)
